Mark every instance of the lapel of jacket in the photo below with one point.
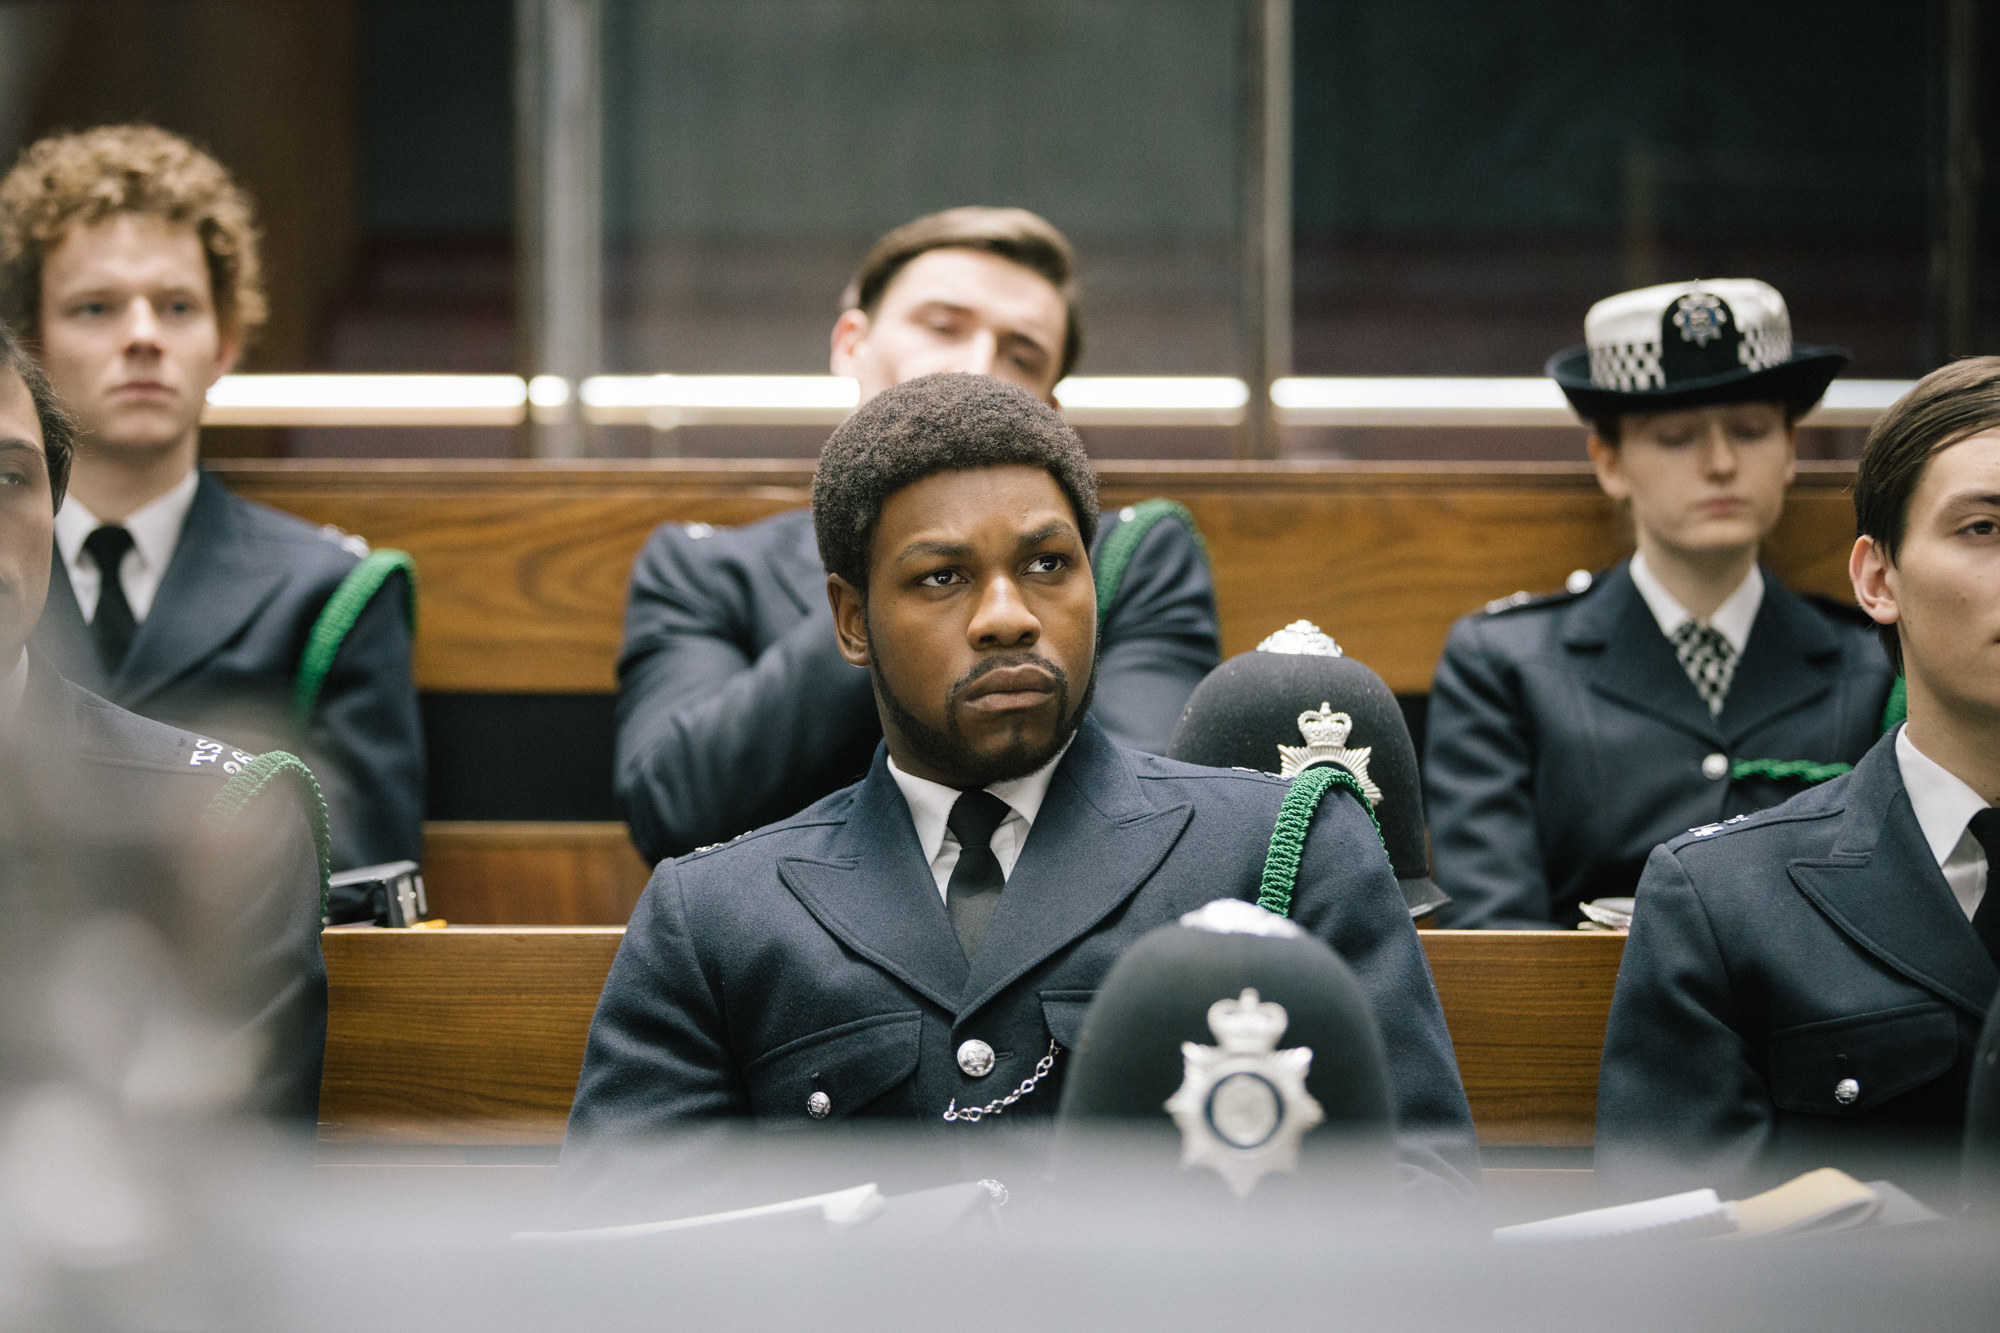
(874, 892)
(1881, 887)
(1636, 666)
(796, 561)
(1786, 665)
(214, 585)
(1095, 841)
(64, 637)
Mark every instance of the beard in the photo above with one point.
(946, 750)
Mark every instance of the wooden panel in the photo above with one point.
(471, 1035)
(1527, 1011)
(466, 1035)
(524, 565)
(531, 874)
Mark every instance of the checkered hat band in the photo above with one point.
(1627, 367)
(1765, 345)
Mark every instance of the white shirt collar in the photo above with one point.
(156, 530)
(930, 805)
(1734, 617)
(1942, 800)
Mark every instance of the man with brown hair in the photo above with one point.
(1804, 987)
(130, 259)
(735, 707)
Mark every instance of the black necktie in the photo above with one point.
(113, 626)
(1985, 827)
(976, 881)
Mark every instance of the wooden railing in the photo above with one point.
(476, 1035)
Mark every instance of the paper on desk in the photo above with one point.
(1690, 1216)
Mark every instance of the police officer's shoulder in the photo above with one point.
(774, 840)
(1819, 803)
(1578, 584)
(114, 736)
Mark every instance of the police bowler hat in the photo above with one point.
(1692, 344)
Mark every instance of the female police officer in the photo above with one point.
(1570, 734)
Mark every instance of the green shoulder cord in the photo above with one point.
(1288, 837)
(337, 617)
(1809, 773)
(1123, 543)
(242, 791)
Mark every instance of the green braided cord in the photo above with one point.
(249, 783)
(1124, 541)
(1803, 770)
(1288, 836)
(337, 617)
(1898, 706)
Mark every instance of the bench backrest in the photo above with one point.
(524, 565)
(476, 1035)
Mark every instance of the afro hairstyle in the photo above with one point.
(947, 422)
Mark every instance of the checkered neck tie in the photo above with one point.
(1709, 661)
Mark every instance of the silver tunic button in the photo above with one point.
(1579, 581)
(1715, 767)
(975, 1057)
(1846, 1091)
(818, 1105)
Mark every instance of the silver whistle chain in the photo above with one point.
(973, 1114)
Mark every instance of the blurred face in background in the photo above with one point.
(1703, 482)
(956, 309)
(27, 519)
(129, 334)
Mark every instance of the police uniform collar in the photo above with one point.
(13, 688)
(1880, 886)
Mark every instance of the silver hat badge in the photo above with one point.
(1326, 743)
(1242, 1106)
(1301, 638)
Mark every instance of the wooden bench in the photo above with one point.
(475, 1035)
(524, 565)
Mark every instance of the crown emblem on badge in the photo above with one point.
(1243, 1106)
(1326, 734)
(1700, 317)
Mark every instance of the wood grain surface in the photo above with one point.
(531, 874)
(1527, 1011)
(476, 1035)
(523, 565)
(464, 1035)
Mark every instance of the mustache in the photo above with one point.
(1003, 661)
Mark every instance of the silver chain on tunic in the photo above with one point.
(973, 1114)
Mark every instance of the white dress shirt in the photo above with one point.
(1945, 806)
(156, 530)
(1733, 618)
(930, 805)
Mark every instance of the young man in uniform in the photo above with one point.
(130, 258)
(924, 943)
(106, 814)
(1571, 734)
(734, 706)
(1805, 987)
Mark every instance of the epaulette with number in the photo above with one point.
(1576, 585)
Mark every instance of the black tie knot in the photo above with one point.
(107, 546)
(1985, 828)
(974, 816)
